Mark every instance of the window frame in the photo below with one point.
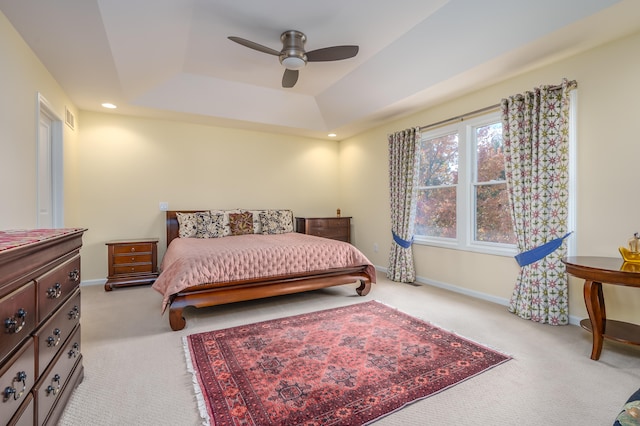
(465, 200)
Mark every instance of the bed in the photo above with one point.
(262, 265)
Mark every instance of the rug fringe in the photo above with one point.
(202, 407)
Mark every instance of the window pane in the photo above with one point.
(493, 219)
(438, 161)
(490, 158)
(436, 212)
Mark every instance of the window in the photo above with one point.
(461, 195)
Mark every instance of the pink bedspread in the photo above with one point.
(189, 262)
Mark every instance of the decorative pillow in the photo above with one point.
(241, 223)
(186, 224)
(257, 227)
(630, 412)
(276, 221)
(209, 225)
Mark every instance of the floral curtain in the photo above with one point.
(402, 179)
(535, 128)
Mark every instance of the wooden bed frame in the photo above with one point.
(236, 291)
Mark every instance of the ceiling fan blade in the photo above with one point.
(289, 78)
(255, 46)
(334, 53)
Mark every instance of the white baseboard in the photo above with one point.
(99, 281)
(573, 320)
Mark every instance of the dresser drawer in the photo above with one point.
(17, 376)
(18, 315)
(48, 388)
(52, 335)
(56, 285)
(132, 248)
(25, 416)
(132, 258)
(336, 228)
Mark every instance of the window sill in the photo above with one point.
(505, 251)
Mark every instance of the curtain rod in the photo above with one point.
(572, 84)
(460, 117)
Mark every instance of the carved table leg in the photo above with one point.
(594, 301)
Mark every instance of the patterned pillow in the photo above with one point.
(630, 412)
(209, 225)
(241, 223)
(276, 221)
(186, 224)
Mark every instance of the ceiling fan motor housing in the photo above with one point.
(292, 55)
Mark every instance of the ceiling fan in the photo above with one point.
(293, 56)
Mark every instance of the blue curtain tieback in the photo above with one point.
(402, 243)
(530, 256)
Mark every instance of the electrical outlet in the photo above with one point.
(164, 206)
(375, 247)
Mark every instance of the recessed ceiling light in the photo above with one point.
(332, 135)
(109, 105)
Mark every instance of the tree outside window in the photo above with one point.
(462, 192)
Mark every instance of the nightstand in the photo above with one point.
(336, 228)
(132, 262)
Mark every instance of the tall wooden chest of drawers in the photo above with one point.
(40, 358)
(132, 262)
(336, 228)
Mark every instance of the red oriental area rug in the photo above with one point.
(342, 366)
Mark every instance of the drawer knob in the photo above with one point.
(14, 324)
(50, 389)
(53, 341)
(55, 291)
(74, 351)
(10, 391)
(74, 275)
(133, 249)
(74, 313)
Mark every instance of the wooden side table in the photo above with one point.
(132, 262)
(336, 228)
(595, 271)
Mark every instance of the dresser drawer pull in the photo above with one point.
(74, 313)
(74, 351)
(74, 275)
(12, 326)
(133, 249)
(50, 389)
(53, 341)
(55, 291)
(10, 390)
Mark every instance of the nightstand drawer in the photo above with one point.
(132, 269)
(132, 248)
(132, 258)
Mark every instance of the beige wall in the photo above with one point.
(127, 165)
(22, 76)
(608, 165)
(118, 168)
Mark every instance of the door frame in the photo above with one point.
(56, 166)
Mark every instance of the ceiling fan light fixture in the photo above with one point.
(293, 62)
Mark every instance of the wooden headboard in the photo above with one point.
(172, 223)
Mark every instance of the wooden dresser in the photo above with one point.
(40, 358)
(132, 262)
(336, 228)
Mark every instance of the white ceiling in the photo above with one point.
(172, 58)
